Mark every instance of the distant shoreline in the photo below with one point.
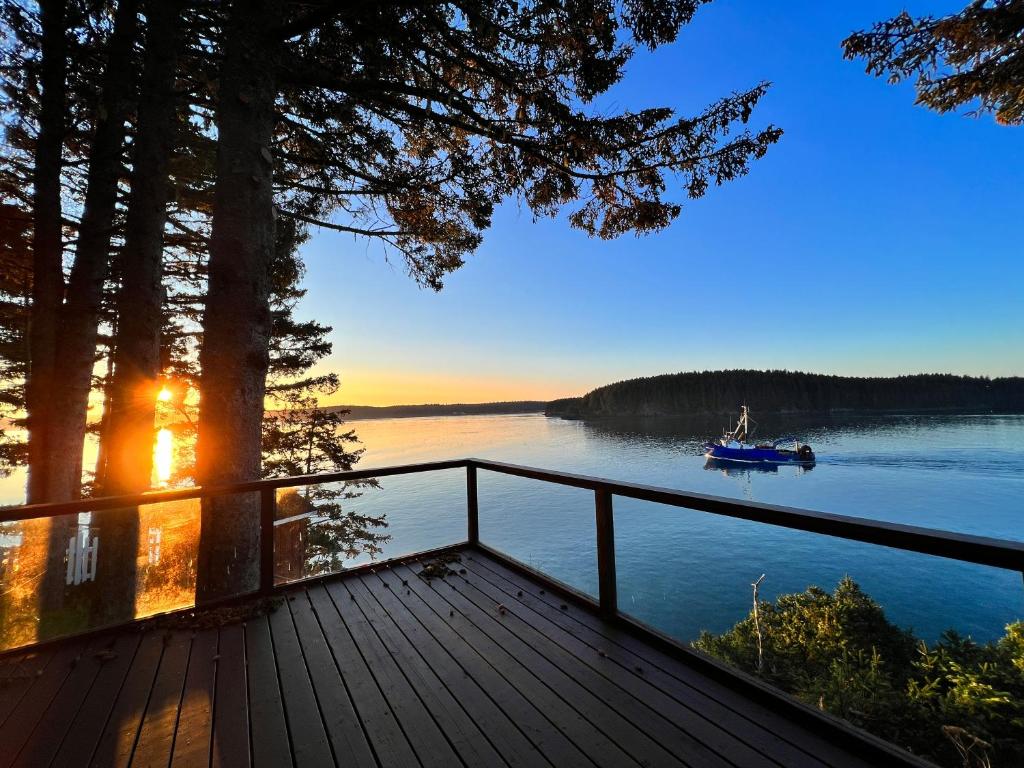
(713, 393)
(837, 413)
(508, 408)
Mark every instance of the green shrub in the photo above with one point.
(958, 703)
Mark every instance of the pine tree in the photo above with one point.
(15, 296)
(414, 122)
(974, 56)
(302, 438)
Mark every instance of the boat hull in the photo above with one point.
(754, 455)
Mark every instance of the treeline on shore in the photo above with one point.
(721, 392)
(355, 412)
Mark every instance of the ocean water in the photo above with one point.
(685, 571)
(679, 570)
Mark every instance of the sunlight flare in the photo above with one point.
(163, 456)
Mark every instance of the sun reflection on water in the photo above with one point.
(163, 456)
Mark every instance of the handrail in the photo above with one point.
(54, 509)
(964, 547)
(998, 553)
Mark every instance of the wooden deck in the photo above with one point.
(489, 667)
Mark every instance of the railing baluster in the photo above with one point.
(606, 581)
(472, 510)
(268, 507)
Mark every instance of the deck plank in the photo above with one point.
(377, 634)
(33, 706)
(526, 712)
(230, 738)
(510, 704)
(9, 662)
(680, 730)
(46, 738)
(403, 632)
(550, 695)
(121, 728)
(310, 745)
(195, 719)
(20, 678)
(159, 724)
(603, 704)
(420, 729)
(675, 725)
(271, 746)
(765, 730)
(87, 729)
(389, 743)
(340, 717)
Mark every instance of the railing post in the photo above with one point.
(472, 510)
(606, 582)
(268, 506)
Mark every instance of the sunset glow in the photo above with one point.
(164, 395)
(396, 386)
(163, 456)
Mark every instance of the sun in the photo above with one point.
(164, 395)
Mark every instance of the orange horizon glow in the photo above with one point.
(385, 388)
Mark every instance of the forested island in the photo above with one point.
(722, 392)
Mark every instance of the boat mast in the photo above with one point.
(742, 426)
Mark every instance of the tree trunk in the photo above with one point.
(76, 345)
(47, 273)
(47, 294)
(79, 318)
(236, 322)
(127, 438)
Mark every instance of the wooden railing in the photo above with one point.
(957, 546)
(998, 553)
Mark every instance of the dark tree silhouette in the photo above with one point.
(47, 247)
(80, 314)
(130, 407)
(722, 392)
(414, 121)
(15, 295)
(132, 399)
(976, 55)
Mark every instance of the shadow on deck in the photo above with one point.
(484, 666)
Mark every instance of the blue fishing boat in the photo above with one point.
(733, 446)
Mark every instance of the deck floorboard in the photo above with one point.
(267, 725)
(486, 666)
(679, 729)
(454, 722)
(667, 677)
(45, 738)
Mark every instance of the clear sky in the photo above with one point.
(875, 238)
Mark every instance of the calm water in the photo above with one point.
(680, 570)
(685, 571)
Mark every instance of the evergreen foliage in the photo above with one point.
(721, 392)
(302, 438)
(416, 120)
(15, 290)
(973, 56)
(956, 702)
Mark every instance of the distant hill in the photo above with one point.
(458, 409)
(722, 392)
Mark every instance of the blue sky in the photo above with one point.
(875, 238)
